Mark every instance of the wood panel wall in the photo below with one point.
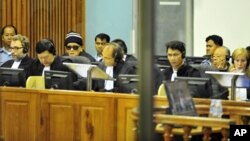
(39, 19)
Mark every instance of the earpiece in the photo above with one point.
(25, 49)
(183, 55)
(227, 58)
(51, 46)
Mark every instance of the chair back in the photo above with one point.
(35, 82)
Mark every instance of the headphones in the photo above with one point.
(228, 54)
(227, 58)
(51, 46)
(183, 54)
(45, 45)
(26, 47)
(177, 45)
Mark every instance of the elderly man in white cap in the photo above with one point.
(74, 46)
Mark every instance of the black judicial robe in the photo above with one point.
(25, 64)
(121, 68)
(184, 71)
(37, 68)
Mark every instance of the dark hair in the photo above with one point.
(45, 44)
(177, 45)
(217, 39)
(228, 53)
(122, 44)
(248, 48)
(103, 36)
(7, 26)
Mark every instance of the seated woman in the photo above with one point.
(240, 63)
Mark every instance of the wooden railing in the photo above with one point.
(188, 123)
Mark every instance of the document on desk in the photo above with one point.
(82, 70)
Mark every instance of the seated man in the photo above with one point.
(7, 33)
(220, 58)
(176, 55)
(212, 42)
(219, 62)
(101, 40)
(47, 59)
(74, 46)
(19, 47)
(113, 65)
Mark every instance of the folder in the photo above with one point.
(82, 70)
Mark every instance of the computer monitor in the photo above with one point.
(162, 62)
(58, 80)
(128, 83)
(195, 60)
(199, 87)
(179, 98)
(12, 77)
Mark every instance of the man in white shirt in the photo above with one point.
(212, 43)
(100, 41)
(113, 65)
(7, 33)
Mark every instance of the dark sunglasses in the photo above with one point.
(74, 47)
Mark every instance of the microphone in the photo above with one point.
(6, 83)
(54, 86)
(134, 91)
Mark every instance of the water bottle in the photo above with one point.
(215, 108)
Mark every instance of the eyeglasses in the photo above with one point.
(72, 47)
(15, 48)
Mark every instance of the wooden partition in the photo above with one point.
(57, 115)
(49, 115)
(72, 117)
(39, 19)
(19, 115)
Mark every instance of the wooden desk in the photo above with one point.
(57, 115)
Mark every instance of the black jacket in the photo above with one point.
(184, 71)
(130, 57)
(25, 64)
(36, 68)
(121, 68)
